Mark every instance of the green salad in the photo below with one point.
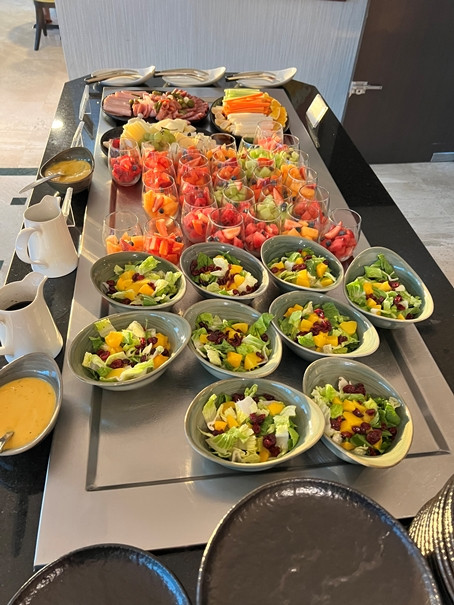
(141, 284)
(321, 328)
(222, 274)
(359, 422)
(380, 292)
(249, 427)
(232, 345)
(303, 268)
(120, 355)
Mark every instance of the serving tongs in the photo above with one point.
(256, 75)
(197, 74)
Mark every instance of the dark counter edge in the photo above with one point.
(22, 477)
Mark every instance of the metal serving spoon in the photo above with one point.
(6, 437)
(39, 181)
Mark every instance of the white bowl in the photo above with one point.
(278, 246)
(309, 419)
(103, 270)
(213, 75)
(34, 365)
(407, 276)
(282, 77)
(369, 340)
(247, 261)
(173, 326)
(232, 310)
(328, 371)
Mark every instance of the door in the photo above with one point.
(407, 48)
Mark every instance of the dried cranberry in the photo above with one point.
(269, 441)
(356, 429)
(341, 339)
(336, 423)
(319, 312)
(275, 450)
(116, 363)
(346, 434)
(372, 452)
(274, 270)
(103, 354)
(264, 337)
(370, 412)
(152, 340)
(374, 436)
(394, 284)
(358, 413)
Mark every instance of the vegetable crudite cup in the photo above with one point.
(384, 287)
(366, 420)
(127, 350)
(300, 264)
(253, 424)
(234, 275)
(231, 339)
(137, 280)
(314, 325)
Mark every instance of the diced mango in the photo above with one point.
(350, 421)
(234, 269)
(367, 287)
(115, 372)
(241, 327)
(159, 360)
(251, 360)
(231, 333)
(238, 279)
(305, 325)
(383, 286)
(264, 454)
(113, 339)
(332, 340)
(227, 405)
(336, 400)
(291, 310)
(146, 289)
(326, 281)
(234, 359)
(163, 341)
(310, 233)
(400, 316)
(350, 406)
(321, 269)
(275, 408)
(313, 317)
(348, 326)
(125, 280)
(203, 338)
(299, 260)
(302, 279)
(347, 445)
(220, 425)
(232, 421)
(371, 303)
(279, 266)
(320, 339)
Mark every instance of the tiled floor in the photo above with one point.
(31, 83)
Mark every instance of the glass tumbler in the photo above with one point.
(125, 163)
(194, 220)
(261, 223)
(121, 232)
(161, 198)
(163, 237)
(341, 232)
(225, 225)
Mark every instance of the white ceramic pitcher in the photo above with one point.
(26, 323)
(46, 242)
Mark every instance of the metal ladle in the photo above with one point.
(39, 181)
(6, 437)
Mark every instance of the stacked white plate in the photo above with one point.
(432, 530)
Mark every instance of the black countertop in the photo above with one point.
(22, 477)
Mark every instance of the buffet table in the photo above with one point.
(22, 478)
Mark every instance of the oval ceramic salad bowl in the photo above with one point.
(315, 270)
(238, 333)
(390, 411)
(384, 287)
(357, 336)
(242, 266)
(295, 429)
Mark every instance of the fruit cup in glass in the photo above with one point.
(160, 198)
(258, 156)
(341, 232)
(225, 177)
(163, 237)
(194, 220)
(121, 232)
(269, 134)
(296, 177)
(261, 223)
(225, 225)
(220, 148)
(264, 176)
(155, 163)
(238, 195)
(195, 164)
(124, 162)
(196, 189)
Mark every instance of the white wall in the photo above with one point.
(319, 37)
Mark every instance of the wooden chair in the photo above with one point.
(41, 25)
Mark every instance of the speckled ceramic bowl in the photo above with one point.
(246, 260)
(232, 310)
(369, 340)
(35, 365)
(103, 270)
(328, 371)
(309, 420)
(173, 326)
(278, 246)
(407, 276)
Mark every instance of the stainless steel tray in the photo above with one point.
(120, 469)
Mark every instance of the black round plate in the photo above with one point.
(105, 574)
(113, 133)
(312, 541)
(217, 103)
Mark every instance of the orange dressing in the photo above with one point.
(26, 407)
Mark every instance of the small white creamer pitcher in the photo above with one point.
(26, 323)
(46, 242)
